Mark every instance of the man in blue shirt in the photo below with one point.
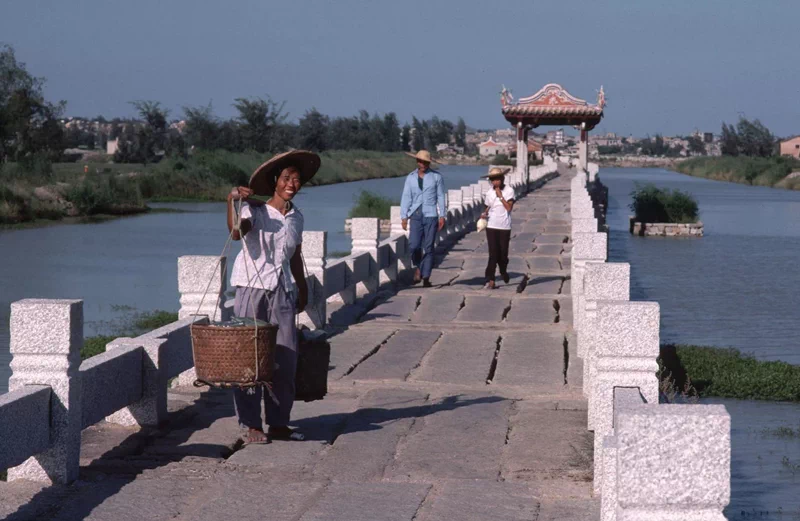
(423, 203)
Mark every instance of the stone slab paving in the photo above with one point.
(452, 402)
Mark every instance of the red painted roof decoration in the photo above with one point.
(552, 100)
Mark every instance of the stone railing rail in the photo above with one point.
(651, 460)
(53, 395)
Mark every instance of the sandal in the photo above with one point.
(255, 437)
(284, 434)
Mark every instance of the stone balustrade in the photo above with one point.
(53, 395)
(651, 460)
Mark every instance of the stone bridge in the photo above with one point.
(452, 402)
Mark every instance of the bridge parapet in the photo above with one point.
(652, 460)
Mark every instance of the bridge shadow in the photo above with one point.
(107, 474)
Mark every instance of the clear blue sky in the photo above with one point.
(667, 67)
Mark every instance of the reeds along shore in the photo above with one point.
(44, 191)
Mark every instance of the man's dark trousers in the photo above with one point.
(421, 239)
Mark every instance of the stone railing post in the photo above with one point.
(151, 410)
(46, 341)
(673, 462)
(315, 249)
(397, 222)
(587, 247)
(468, 206)
(477, 200)
(626, 345)
(365, 232)
(454, 205)
(401, 246)
(603, 281)
(196, 273)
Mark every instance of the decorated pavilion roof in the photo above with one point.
(552, 104)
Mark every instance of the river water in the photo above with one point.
(737, 286)
(130, 264)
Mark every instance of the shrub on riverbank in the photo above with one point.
(727, 373)
(656, 205)
(132, 326)
(124, 188)
(761, 171)
(370, 204)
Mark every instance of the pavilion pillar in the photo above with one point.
(583, 148)
(522, 153)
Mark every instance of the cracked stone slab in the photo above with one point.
(368, 443)
(398, 308)
(543, 285)
(532, 311)
(549, 249)
(565, 310)
(246, 498)
(368, 502)
(398, 357)
(473, 279)
(443, 277)
(348, 348)
(483, 309)
(549, 238)
(213, 441)
(462, 357)
(515, 264)
(532, 359)
(566, 289)
(437, 307)
(521, 247)
(544, 264)
(462, 436)
(561, 457)
(572, 509)
(482, 500)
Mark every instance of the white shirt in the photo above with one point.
(267, 248)
(499, 217)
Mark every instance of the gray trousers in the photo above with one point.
(281, 306)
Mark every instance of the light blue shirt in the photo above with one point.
(430, 198)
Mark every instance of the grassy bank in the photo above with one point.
(369, 204)
(133, 326)
(41, 192)
(757, 171)
(727, 373)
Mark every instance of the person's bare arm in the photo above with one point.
(296, 265)
(240, 193)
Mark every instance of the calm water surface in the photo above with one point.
(131, 263)
(737, 286)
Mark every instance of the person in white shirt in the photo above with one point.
(270, 282)
(499, 201)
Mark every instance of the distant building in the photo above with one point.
(442, 147)
(490, 147)
(556, 137)
(791, 147)
(708, 137)
(111, 146)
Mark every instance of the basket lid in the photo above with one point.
(241, 321)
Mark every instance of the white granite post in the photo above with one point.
(401, 246)
(673, 462)
(196, 273)
(397, 222)
(315, 249)
(583, 148)
(477, 200)
(151, 410)
(602, 281)
(468, 206)
(365, 232)
(584, 225)
(46, 341)
(587, 247)
(455, 224)
(626, 345)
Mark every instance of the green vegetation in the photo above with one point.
(655, 205)
(502, 160)
(369, 204)
(760, 171)
(134, 325)
(728, 373)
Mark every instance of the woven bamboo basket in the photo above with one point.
(240, 356)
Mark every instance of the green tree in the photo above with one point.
(28, 122)
(390, 133)
(419, 134)
(202, 127)
(152, 137)
(729, 140)
(313, 130)
(259, 123)
(696, 145)
(755, 140)
(461, 133)
(405, 140)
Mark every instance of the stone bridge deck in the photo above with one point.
(447, 403)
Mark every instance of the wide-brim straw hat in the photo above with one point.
(422, 155)
(263, 179)
(495, 172)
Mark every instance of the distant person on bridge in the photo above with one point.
(499, 201)
(268, 276)
(423, 203)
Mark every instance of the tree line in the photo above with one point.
(747, 138)
(31, 126)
